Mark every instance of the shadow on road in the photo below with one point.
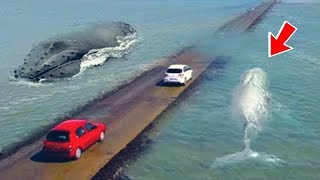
(42, 157)
(161, 83)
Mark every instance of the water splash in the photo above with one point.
(246, 154)
(99, 56)
(250, 103)
(25, 82)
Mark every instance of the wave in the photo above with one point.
(250, 103)
(25, 82)
(99, 56)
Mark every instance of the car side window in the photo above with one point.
(80, 131)
(89, 126)
(185, 69)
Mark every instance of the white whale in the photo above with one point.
(250, 104)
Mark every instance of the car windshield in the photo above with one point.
(58, 136)
(174, 71)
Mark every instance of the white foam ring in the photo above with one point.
(99, 56)
(246, 154)
(250, 103)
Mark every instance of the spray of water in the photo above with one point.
(99, 56)
(250, 103)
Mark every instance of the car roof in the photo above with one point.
(70, 125)
(177, 66)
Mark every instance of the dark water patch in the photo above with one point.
(216, 68)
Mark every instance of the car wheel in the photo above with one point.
(101, 137)
(185, 81)
(78, 153)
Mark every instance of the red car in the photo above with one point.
(70, 138)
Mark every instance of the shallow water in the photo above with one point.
(193, 135)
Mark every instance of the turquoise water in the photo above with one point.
(190, 138)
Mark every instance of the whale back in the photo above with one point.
(52, 58)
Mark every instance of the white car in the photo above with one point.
(178, 73)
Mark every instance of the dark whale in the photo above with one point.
(61, 57)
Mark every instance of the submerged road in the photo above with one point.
(126, 111)
(249, 19)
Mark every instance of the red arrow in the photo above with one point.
(277, 45)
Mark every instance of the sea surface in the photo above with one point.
(201, 137)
